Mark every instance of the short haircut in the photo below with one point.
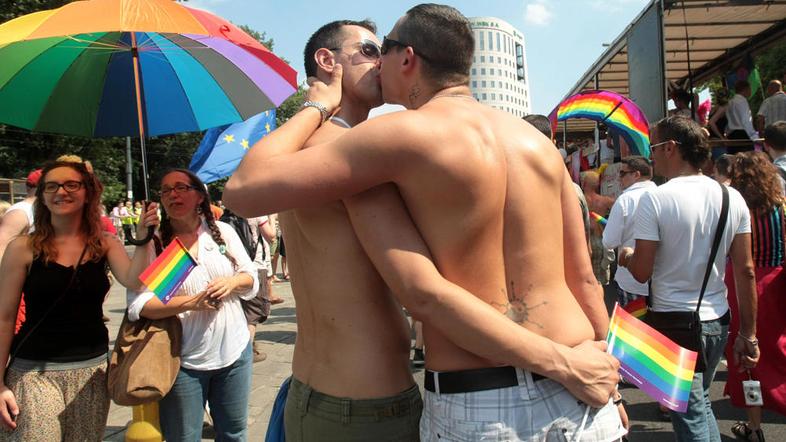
(639, 164)
(775, 135)
(692, 142)
(741, 85)
(329, 36)
(443, 38)
(723, 164)
(541, 123)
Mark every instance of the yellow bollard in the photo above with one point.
(145, 426)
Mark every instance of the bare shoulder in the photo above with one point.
(20, 247)
(402, 130)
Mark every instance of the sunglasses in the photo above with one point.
(389, 43)
(368, 48)
(622, 173)
(653, 146)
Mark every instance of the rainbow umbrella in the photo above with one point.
(614, 110)
(100, 68)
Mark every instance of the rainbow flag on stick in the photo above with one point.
(598, 219)
(637, 308)
(167, 273)
(651, 361)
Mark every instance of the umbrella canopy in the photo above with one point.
(614, 110)
(94, 68)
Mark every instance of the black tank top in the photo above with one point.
(74, 330)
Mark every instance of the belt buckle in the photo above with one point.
(436, 382)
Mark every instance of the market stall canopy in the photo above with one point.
(702, 38)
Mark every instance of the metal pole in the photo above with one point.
(140, 118)
(129, 171)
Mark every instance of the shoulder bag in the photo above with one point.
(145, 360)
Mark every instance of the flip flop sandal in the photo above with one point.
(744, 432)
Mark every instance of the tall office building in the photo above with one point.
(498, 76)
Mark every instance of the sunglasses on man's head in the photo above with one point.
(368, 48)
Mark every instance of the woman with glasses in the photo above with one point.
(216, 354)
(755, 177)
(54, 387)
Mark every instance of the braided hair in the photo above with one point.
(204, 210)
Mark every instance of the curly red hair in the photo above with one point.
(756, 178)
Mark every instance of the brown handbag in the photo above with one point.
(145, 360)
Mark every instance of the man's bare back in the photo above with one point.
(353, 340)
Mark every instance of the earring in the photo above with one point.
(199, 210)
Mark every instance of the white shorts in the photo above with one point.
(530, 411)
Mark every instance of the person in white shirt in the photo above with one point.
(257, 309)
(773, 108)
(674, 228)
(18, 219)
(216, 354)
(635, 176)
(738, 114)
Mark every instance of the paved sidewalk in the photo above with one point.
(277, 338)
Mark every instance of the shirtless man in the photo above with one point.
(460, 158)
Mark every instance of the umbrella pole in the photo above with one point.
(138, 90)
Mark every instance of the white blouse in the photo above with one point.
(211, 339)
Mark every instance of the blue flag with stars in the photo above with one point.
(222, 148)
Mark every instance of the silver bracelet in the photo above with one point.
(318, 106)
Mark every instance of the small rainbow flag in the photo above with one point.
(637, 308)
(651, 361)
(598, 219)
(167, 273)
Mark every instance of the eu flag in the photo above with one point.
(223, 147)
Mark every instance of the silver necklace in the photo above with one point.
(452, 95)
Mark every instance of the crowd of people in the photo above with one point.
(432, 209)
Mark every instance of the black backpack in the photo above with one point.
(243, 230)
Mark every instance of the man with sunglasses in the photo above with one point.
(635, 177)
(351, 377)
(472, 178)
(674, 229)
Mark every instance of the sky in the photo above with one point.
(562, 37)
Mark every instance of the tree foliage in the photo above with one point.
(22, 150)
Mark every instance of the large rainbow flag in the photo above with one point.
(167, 273)
(616, 111)
(651, 361)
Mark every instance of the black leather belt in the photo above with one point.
(466, 381)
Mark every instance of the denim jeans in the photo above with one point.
(698, 423)
(226, 389)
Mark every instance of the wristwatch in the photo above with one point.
(318, 106)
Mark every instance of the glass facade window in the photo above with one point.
(491, 41)
(482, 71)
(483, 83)
(482, 58)
(493, 83)
(499, 47)
(474, 83)
(482, 47)
(485, 97)
(493, 96)
(474, 71)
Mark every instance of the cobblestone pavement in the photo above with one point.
(276, 337)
